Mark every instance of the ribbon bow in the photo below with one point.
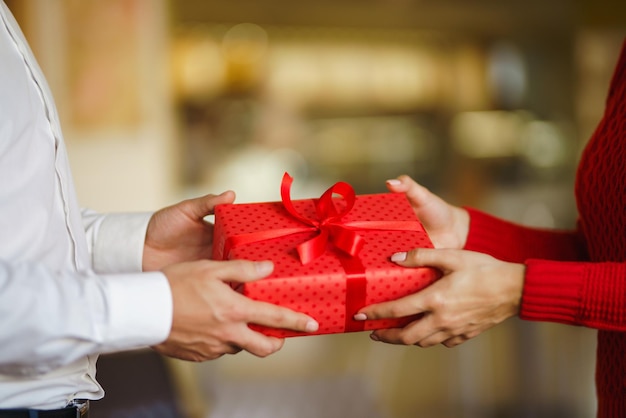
(329, 224)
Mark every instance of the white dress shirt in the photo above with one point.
(71, 285)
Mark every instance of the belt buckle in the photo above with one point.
(82, 407)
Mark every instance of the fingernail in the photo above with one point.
(312, 326)
(394, 182)
(397, 257)
(374, 337)
(360, 317)
(264, 267)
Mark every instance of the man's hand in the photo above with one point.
(179, 233)
(211, 319)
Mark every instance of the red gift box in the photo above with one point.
(331, 255)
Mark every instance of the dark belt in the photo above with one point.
(77, 409)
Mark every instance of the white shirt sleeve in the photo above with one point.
(71, 315)
(115, 240)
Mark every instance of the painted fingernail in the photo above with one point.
(398, 257)
(394, 182)
(312, 326)
(374, 337)
(264, 267)
(360, 317)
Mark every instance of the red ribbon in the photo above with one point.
(329, 225)
(356, 291)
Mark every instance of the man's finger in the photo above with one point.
(261, 313)
(274, 316)
(241, 271)
(200, 207)
(258, 344)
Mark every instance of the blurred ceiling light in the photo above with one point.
(244, 47)
(488, 134)
(350, 74)
(198, 67)
(245, 41)
(331, 69)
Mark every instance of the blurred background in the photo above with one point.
(489, 103)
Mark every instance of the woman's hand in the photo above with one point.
(475, 293)
(447, 225)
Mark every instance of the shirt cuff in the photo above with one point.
(140, 310)
(120, 242)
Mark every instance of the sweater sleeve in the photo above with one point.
(591, 294)
(516, 243)
(560, 285)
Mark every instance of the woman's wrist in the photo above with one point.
(461, 225)
(516, 286)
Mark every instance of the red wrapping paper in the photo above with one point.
(333, 285)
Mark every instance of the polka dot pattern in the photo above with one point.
(319, 288)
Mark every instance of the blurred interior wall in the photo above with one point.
(106, 63)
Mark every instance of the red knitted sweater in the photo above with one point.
(579, 277)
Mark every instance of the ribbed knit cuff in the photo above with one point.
(552, 291)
